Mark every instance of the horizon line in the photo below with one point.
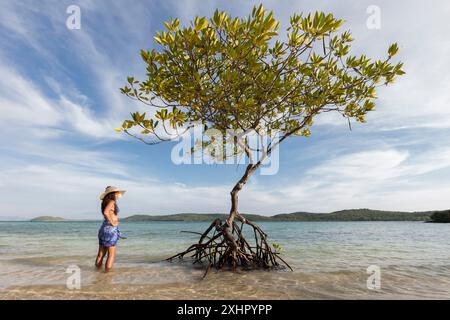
(19, 219)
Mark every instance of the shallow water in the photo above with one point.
(330, 260)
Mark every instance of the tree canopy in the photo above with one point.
(234, 73)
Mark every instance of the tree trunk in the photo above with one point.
(227, 246)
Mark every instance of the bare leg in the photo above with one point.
(110, 260)
(100, 255)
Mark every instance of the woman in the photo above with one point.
(109, 233)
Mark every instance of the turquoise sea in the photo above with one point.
(330, 261)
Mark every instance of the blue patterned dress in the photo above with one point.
(108, 235)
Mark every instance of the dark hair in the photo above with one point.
(109, 197)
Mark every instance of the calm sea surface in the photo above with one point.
(330, 261)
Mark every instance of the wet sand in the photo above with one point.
(182, 281)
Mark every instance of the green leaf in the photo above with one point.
(393, 50)
(201, 24)
(158, 39)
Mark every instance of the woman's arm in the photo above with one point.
(109, 214)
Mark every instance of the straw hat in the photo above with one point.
(110, 189)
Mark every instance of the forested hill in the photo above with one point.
(344, 215)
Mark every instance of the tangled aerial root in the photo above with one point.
(223, 248)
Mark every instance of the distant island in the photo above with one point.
(47, 219)
(343, 215)
(442, 216)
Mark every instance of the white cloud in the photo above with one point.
(21, 102)
(381, 179)
(368, 166)
(67, 191)
(84, 121)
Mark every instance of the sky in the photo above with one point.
(60, 103)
